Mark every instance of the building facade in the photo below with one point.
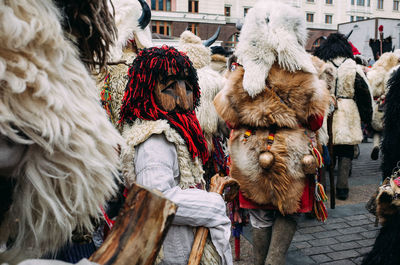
(172, 17)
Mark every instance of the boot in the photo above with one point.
(342, 183)
(261, 240)
(375, 150)
(282, 234)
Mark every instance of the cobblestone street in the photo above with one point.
(348, 233)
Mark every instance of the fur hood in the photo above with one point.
(199, 54)
(272, 32)
(127, 13)
(49, 102)
(290, 99)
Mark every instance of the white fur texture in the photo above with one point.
(191, 172)
(272, 32)
(71, 163)
(346, 125)
(199, 54)
(127, 13)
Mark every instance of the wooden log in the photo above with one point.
(139, 231)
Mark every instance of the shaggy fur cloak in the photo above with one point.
(273, 33)
(49, 102)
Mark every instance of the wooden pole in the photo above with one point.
(139, 231)
(331, 165)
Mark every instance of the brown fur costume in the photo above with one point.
(288, 101)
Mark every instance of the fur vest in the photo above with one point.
(346, 125)
(275, 176)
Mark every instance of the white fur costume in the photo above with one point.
(49, 102)
(283, 40)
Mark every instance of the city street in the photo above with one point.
(348, 233)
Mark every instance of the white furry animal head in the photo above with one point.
(272, 32)
(127, 14)
(191, 44)
(49, 103)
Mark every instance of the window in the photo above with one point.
(328, 19)
(380, 4)
(360, 2)
(194, 6)
(310, 1)
(351, 18)
(310, 17)
(232, 41)
(352, 2)
(161, 5)
(396, 5)
(161, 27)
(359, 18)
(329, 2)
(193, 27)
(245, 10)
(228, 11)
(368, 2)
(317, 43)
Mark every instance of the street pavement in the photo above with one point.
(349, 232)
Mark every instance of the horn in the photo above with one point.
(324, 37)
(393, 48)
(144, 19)
(239, 25)
(213, 38)
(348, 35)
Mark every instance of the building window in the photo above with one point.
(232, 41)
(352, 2)
(329, 2)
(161, 27)
(245, 10)
(368, 2)
(316, 43)
(359, 18)
(310, 1)
(396, 5)
(328, 19)
(161, 5)
(380, 4)
(193, 27)
(310, 17)
(360, 2)
(194, 6)
(228, 11)
(351, 18)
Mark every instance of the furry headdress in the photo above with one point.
(49, 102)
(272, 32)
(151, 66)
(127, 14)
(199, 54)
(336, 45)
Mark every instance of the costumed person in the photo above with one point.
(353, 105)
(378, 77)
(58, 151)
(166, 149)
(274, 101)
(132, 18)
(219, 59)
(387, 246)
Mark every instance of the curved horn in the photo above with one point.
(324, 37)
(393, 48)
(348, 35)
(213, 38)
(239, 25)
(144, 19)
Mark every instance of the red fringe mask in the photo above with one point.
(152, 65)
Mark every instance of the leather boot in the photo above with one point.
(261, 240)
(342, 183)
(282, 234)
(375, 150)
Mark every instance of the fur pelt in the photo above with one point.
(191, 44)
(391, 139)
(218, 63)
(281, 184)
(49, 102)
(191, 171)
(346, 124)
(210, 83)
(272, 33)
(336, 45)
(127, 13)
(289, 99)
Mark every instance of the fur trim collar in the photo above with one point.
(191, 172)
(272, 33)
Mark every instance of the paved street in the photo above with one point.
(349, 231)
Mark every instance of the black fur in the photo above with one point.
(376, 46)
(391, 135)
(386, 250)
(336, 45)
(362, 97)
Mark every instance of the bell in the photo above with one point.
(266, 159)
(309, 164)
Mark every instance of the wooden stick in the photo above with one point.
(331, 166)
(139, 231)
